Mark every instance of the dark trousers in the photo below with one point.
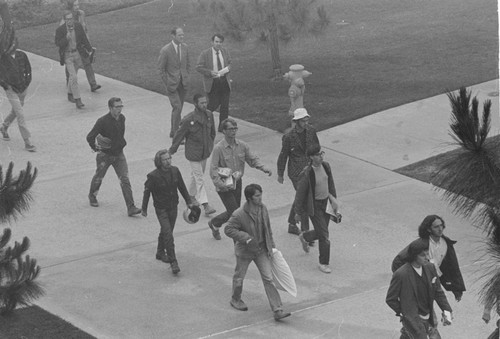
(408, 333)
(167, 220)
(219, 96)
(119, 163)
(231, 200)
(304, 222)
(177, 102)
(320, 221)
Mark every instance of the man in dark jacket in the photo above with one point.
(413, 289)
(107, 139)
(16, 94)
(315, 190)
(73, 43)
(198, 130)
(294, 151)
(442, 255)
(250, 229)
(163, 183)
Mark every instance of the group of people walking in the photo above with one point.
(420, 270)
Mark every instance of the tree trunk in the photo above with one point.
(274, 48)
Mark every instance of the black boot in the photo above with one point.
(175, 267)
(160, 250)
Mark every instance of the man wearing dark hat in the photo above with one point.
(163, 183)
(294, 145)
(413, 289)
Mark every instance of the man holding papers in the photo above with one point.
(215, 64)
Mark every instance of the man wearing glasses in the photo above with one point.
(293, 150)
(107, 139)
(230, 153)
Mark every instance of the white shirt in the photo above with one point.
(437, 252)
(214, 59)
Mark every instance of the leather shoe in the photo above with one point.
(305, 244)
(175, 267)
(70, 98)
(293, 229)
(215, 231)
(163, 257)
(239, 305)
(95, 88)
(278, 315)
(134, 211)
(79, 104)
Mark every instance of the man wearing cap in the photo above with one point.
(163, 183)
(214, 64)
(233, 154)
(107, 139)
(413, 289)
(294, 145)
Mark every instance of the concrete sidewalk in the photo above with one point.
(98, 265)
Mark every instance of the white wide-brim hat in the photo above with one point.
(300, 113)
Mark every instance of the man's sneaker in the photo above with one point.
(305, 244)
(215, 231)
(134, 211)
(209, 210)
(175, 267)
(5, 135)
(30, 148)
(239, 305)
(280, 314)
(324, 268)
(93, 201)
(293, 229)
(95, 87)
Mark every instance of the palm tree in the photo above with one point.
(17, 273)
(470, 180)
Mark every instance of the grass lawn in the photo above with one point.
(391, 52)
(425, 169)
(34, 322)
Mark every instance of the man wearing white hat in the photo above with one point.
(293, 150)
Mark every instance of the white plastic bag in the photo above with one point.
(282, 275)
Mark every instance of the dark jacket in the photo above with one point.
(452, 277)
(199, 131)
(402, 297)
(164, 185)
(82, 43)
(304, 196)
(16, 72)
(241, 227)
(293, 151)
(113, 129)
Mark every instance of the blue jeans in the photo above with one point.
(320, 221)
(167, 220)
(263, 263)
(231, 200)
(119, 163)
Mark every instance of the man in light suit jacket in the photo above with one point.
(413, 289)
(174, 66)
(213, 64)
